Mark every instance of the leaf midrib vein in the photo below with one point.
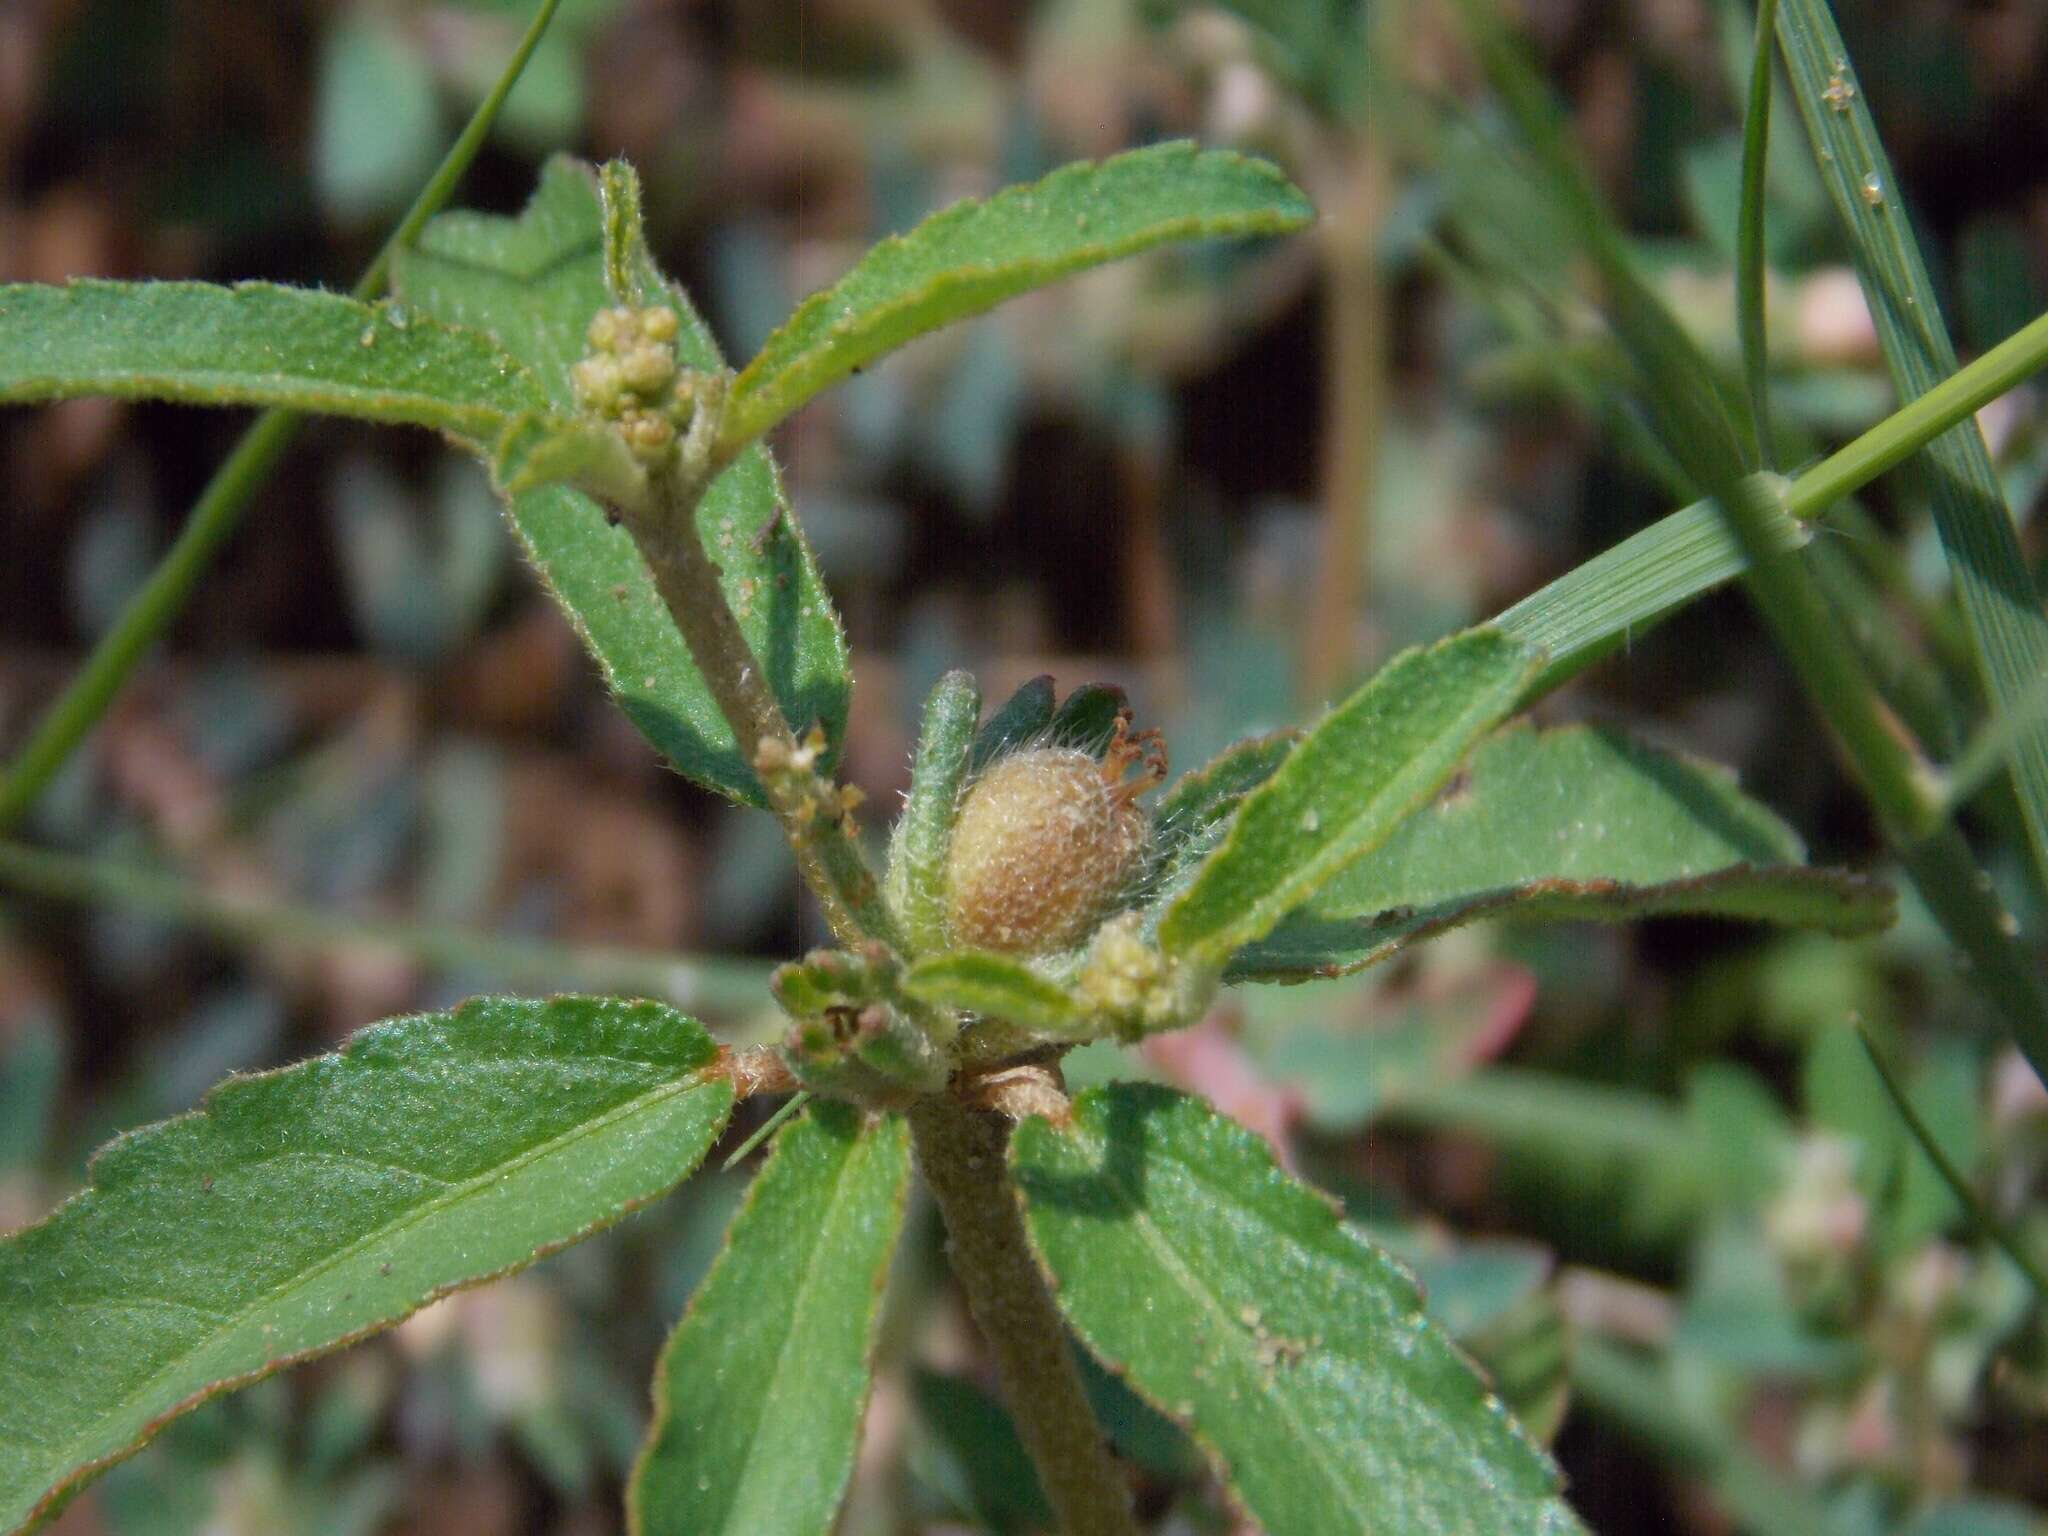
(1170, 1257)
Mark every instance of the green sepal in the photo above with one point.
(1190, 817)
(1086, 719)
(924, 832)
(1022, 720)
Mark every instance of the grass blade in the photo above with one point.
(2007, 625)
(1980, 1214)
(1750, 267)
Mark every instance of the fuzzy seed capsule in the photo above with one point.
(1044, 841)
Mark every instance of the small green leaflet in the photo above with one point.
(759, 1398)
(1233, 1298)
(974, 255)
(1346, 786)
(1563, 824)
(257, 344)
(975, 981)
(534, 282)
(300, 1209)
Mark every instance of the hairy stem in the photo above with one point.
(218, 512)
(961, 1153)
(819, 830)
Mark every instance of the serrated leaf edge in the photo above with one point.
(53, 1498)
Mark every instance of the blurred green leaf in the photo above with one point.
(534, 282)
(991, 1478)
(376, 124)
(1346, 786)
(1301, 1356)
(257, 344)
(298, 1210)
(31, 1078)
(974, 255)
(1567, 824)
(1995, 280)
(418, 574)
(761, 1389)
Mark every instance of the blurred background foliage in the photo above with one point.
(1648, 1174)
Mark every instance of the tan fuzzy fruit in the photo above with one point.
(1044, 841)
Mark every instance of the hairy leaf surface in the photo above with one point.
(757, 1407)
(1563, 824)
(1232, 1297)
(972, 256)
(301, 1209)
(1346, 786)
(534, 282)
(257, 344)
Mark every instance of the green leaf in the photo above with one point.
(1201, 801)
(1342, 791)
(1557, 825)
(534, 282)
(301, 1209)
(972, 256)
(994, 986)
(2008, 627)
(256, 344)
(758, 1402)
(1301, 1357)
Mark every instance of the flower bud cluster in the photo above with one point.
(630, 377)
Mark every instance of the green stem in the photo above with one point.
(1615, 1384)
(1749, 235)
(961, 1152)
(723, 987)
(1914, 425)
(1973, 1205)
(218, 512)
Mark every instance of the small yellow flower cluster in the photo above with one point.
(1134, 988)
(791, 777)
(630, 377)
